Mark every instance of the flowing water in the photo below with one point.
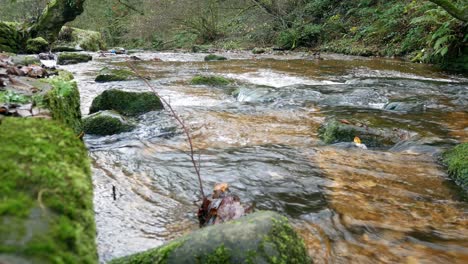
(386, 205)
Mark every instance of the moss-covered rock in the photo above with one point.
(457, 163)
(12, 37)
(106, 123)
(334, 131)
(258, 50)
(73, 39)
(126, 103)
(36, 45)
(262, 237)
(213, 57)
(25, 60)
(209, 80)
(72, 58)
(63, 101)
(46, 196)
(112, 75)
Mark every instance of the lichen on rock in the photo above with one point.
(262, 237)
(106, 123)
(126, 103)
(46, 209)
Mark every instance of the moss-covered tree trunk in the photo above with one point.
(457, 12)
(54, 16)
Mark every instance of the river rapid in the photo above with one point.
(382, 205)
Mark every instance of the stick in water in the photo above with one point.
(180, 121)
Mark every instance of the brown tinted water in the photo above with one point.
(259, 134)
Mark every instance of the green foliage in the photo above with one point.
(126, 103)
(210, 80)
(457, 163)
(46, 206)
(13, 97)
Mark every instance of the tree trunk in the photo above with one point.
(55, 15)
(457, 12)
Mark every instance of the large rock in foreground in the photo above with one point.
(46, 194)
(106, 123)
(262, 237)
(126, 103)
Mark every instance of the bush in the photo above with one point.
(456, 160)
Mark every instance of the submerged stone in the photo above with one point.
(126, 103)
(213, 57)
(209, 80)
(106, 123)
(262, 237)
(405, 107)
(46, 194)
(334, 131)
(112, 75)
(72, 58)
(457, 164)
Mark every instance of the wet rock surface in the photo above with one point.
(106, 123)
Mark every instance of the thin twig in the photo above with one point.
(180, 121)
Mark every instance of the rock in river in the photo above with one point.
(106, 123)
(262, 237)
(113, 75)
(72, 58)
(126, 103)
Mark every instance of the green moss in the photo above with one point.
(333, 132)
(283, 245)
(11, 37)
(63, 100)
(126, 103)
(25, 60)
(106, 123)
(46, 207)
(213, 57)
(154, 256)
(262, 237)
(457, 163)
(36, 45)
(72, 58)
(210, 80)
(112, 75)
(258, 51)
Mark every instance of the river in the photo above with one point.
(381, 205)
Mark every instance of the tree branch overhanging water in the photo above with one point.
(181, 122)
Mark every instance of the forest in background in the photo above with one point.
(417, 30)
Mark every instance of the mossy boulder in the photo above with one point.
(213, 57)
(12, 37)
(36, 45)
(106, 123)
(112, 75)
(66, 58)
(334, 131)
(210, 80)
(75, 39)
(258, 50)
(262, 237)
(63, 101)
(126, 103)
(46, 208)
(25, 60)
(457, 163)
